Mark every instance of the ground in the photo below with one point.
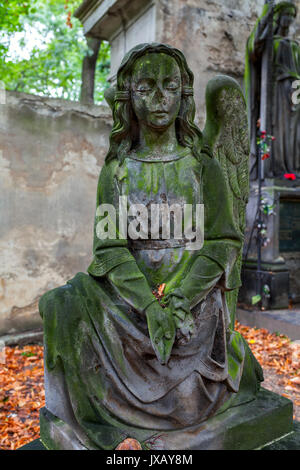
(22, 382)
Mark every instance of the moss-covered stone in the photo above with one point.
(259, 424)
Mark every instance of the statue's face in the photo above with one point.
(156, 90)
(286, 20)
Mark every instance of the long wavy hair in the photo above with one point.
(125, 132)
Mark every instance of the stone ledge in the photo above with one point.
(286, 322)
(23, 339)
(57, 107)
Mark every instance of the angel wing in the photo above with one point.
(226, 134)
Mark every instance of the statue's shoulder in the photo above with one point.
(110, 167)
(285, 40)
(108, 172)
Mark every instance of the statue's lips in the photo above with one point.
(159, 113)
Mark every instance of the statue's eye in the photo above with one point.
(172, 86)
(144, 87)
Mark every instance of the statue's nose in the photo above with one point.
(159, 92)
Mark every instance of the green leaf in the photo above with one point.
(256, 299)
(54, 66)
(28, 354)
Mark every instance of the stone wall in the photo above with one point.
(212, 34)
(51, 153)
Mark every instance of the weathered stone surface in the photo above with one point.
(246, 427)
(57, 435)
(33, 445)
(24, 338)
(290, 442)
(212, 34)
(51, 153)
(292, 261)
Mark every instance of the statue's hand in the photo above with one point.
(184, 321)
(161, 328)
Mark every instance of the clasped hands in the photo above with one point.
(171, 321)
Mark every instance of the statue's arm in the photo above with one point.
(132, 285)
(201, 279)
(112, 257)
(256, 41)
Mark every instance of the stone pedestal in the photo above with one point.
(250, 426)
(272, 276)
(281, 255)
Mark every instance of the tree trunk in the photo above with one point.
(88, 71)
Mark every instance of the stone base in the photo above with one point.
(33, 445)
(56, 434)
(278, 281)
(290, 442)
(254, 425)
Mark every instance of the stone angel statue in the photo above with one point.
(119, 362)
(284, 112)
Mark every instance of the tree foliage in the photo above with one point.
(50, 48)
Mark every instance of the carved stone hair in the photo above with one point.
(283, 7)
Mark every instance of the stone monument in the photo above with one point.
(143, 347)
(280, 202)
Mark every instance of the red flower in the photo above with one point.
(290, 176)
(265, 156)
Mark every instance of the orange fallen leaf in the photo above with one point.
(296, 380)
(161, 289)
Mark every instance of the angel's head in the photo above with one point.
(154, 89)
(284, 15)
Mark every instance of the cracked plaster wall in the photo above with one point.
(51, 153)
